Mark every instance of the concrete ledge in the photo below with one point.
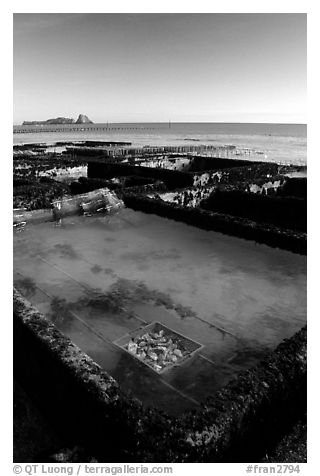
(239, 423)
(34, 216)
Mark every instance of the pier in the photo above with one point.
(80, 128)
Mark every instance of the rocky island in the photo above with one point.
(82, 119)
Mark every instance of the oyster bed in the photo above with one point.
(158, 346)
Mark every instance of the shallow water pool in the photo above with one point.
(98, 278)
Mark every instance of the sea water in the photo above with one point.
(284, 143)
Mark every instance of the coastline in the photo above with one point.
(279, 143)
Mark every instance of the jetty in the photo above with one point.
(75, 128)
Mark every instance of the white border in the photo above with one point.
(245, 6)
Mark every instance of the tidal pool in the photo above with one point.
(98, 278)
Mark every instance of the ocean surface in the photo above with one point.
(283, 143)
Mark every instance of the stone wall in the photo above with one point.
(172, 178)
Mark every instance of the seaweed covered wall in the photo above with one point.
(254, 173)
(224, 171)
(285, 212)
(172, 178)
(85, 185)
(239, 423)
(211, 163)
(294, 187)
(157, 187)
(38, 194)
(271, 235)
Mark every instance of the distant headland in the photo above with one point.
(82, 119)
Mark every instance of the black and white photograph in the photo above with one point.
(159, 188)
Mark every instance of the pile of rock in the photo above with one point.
(158, 350)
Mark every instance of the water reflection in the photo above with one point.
(60, 312)
(66, 250)
(26, 285)
(99, 278)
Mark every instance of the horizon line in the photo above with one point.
(177, 122)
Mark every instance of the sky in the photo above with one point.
(158, 67)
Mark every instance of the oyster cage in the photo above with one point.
(158, 347)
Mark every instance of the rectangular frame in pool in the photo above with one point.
(190, 346)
